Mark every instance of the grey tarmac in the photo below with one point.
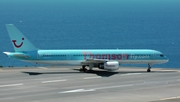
(67, 84)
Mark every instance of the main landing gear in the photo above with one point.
(149, 68)
(84, 69)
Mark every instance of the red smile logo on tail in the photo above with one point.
(17, 46)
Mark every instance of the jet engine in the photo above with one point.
(110, 66)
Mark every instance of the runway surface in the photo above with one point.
(42, 84)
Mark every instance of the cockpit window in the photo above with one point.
(161, 55)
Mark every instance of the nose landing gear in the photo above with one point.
(149, 68)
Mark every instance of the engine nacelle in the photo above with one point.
(109, 66)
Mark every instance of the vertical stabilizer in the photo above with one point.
(19, 41)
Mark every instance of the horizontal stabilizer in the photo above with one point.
(16, 55)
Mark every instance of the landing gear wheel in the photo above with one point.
(89, 71)
(83, 69)
(148, 70)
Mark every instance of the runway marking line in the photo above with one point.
(92, 77)
(53, 81)
(110, 87)
(170, 98)
(11, 85)
(78, 90)
(94, 89)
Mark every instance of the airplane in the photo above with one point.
(106, 59)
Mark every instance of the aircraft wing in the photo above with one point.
(95, 61)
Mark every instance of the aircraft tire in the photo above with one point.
(148, 70)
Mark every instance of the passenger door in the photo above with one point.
(68, 56)
(154, 56)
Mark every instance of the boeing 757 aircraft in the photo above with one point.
(106, 59)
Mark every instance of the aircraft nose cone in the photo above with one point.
(166, 59)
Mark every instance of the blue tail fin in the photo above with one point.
(19, 41)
